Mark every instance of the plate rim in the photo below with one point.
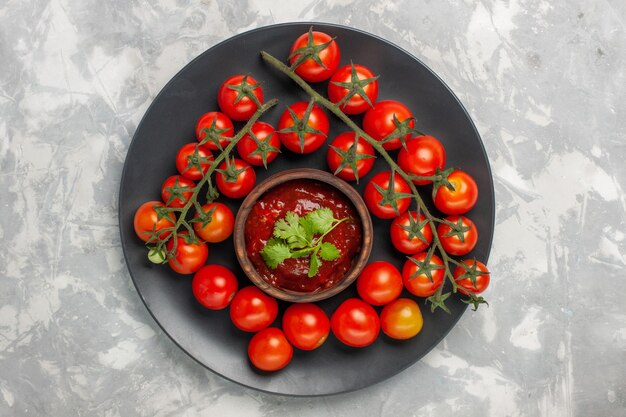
(171, 81)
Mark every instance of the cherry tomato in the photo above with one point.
(239, 97)
(218, 126)
(147, 218)
(235, 179)
(250, 151)
(379, 122)
(193, 161)
(355, 323)
(462, 198)
(364, 81)
(379, 283)
(422, 156)
(406, 230)
(176, 191)
(315, 130)
(221, 225)
(450, 237)
(252, 310)
(402, 319)
(374, 199)
(269, 350)
(214, 286)
(306, 326)
(310, 70)
(342, 150)
(462, 276)
(188, 257)
(419, 283)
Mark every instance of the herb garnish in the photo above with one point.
(294, 237)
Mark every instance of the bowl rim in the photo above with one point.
(303, 174)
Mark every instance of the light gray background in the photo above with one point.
(544, 82)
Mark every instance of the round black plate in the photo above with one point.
(208, 336)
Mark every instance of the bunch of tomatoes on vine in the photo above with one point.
(179, 229)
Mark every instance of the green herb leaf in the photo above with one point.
(329, 252)
(314, 265)
(291, 230)
(322, 220)
(275, 253)
(294, 237)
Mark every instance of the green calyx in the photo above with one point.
(301, 125)
(195, 160)
(214, 135)
(309, 51)
(415, 227)
(425, 267)
(457, 229)
(177, 192)
(245, 89)
(355, 86)
(389, 195)
(231, 173)
(263, 147)
(350, 158)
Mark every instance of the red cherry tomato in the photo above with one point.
(450, 238)
(419, 283)
(341, 149)
(239, 97)
(310, 70)
(147, 218)
(317, 126)
(422, 156)
(214, 286)
(250, 151)
(306, 326)
(405, 233)
(462, 276)
(460, 200)
(355, 104)
(355, 323)
(188, 257)
(176, 191)
(379, 121)
(402, 319)
(237, 182)
(379, 283)
(190, 158)
(269, 350)
(252, 310)
(374, 199)
(221, 225)
(218, 126)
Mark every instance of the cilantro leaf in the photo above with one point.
(314, 266)
(295, 237)
(308, 227)
(275, 253)
(322, 220)
(329, 252)
(290, 230)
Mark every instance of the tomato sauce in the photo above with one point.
(301, 197)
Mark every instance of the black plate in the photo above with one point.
(208, 336)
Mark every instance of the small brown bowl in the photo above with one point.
(310, 174)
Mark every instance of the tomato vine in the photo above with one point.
(157, 243)
(402, 129)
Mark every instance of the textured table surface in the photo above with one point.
(545, 84)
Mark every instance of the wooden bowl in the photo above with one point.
(358, 262)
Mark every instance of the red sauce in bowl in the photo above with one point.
(302, 197)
